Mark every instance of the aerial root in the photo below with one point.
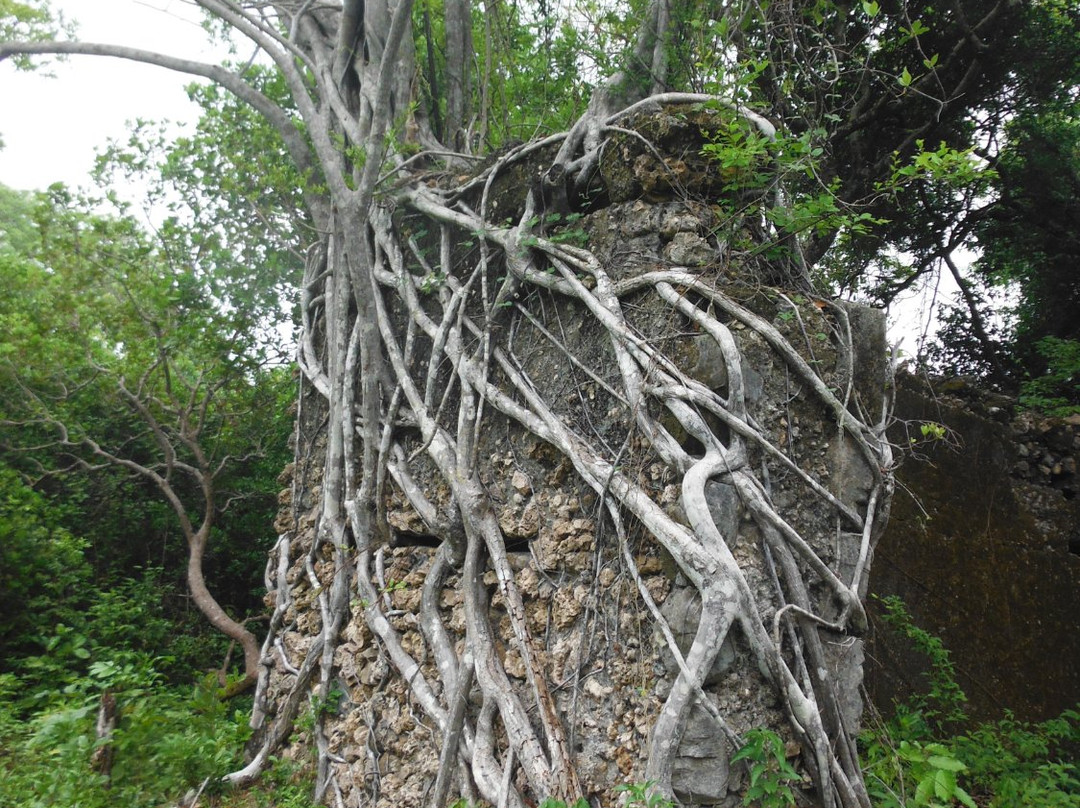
(459, 310)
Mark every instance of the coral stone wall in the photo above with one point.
(597, 599)
(984, 548)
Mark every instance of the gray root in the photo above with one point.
(506, 740)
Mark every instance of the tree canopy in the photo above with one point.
(119, 354)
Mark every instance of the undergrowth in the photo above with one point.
(922, 758)
(168, 740)
(171, 740)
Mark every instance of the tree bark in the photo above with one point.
(101, 760)
(218, 617)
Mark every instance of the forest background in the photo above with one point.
(147, 385)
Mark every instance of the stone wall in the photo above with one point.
(984, 548)
(788, 510)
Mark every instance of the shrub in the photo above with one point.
(915, 761)
(166, 742)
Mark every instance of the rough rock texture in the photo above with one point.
(595, 637)
(984, 548)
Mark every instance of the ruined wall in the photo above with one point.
(593, 595)
(984, 548)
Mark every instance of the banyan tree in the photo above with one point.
(589, 465)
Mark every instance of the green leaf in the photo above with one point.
(924, 792)
(905, 78)
(950, 764)
(964, 797)
(871, 8)
(944, 784)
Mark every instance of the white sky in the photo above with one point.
(51, 127)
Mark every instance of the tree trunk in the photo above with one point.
(101, 759)
(217, 616)
(459, 54)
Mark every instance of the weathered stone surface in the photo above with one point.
(870, 356)
(982, 546)
(682, 610)
(674, 167)
(702, 775)
(690, 250)
(723, 501)
(592, 632)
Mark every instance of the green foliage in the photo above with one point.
(932, 430)
(43, 572)
(119, 338)
(112, 638)
(79, 642)
(140, 620)
(1023, 221)
(935, 152)
(566, 231)
(92, 299)
(945, 165)
(548, 802)
(1026, 764)
(1032, 236)
(930, 768)
(30, 22)
(284, 784)
(743, 155)
(531, 63)
(914, 761)
(108, 340)
(320, 708)
(780, 179)
(943, 703)
(1057, 391)
(559, 229)
(110, 344)
(233, 205)
(169, 737)
(770, 771)
(1005, 764)
(166, 742)
(643, 795)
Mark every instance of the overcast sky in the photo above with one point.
(51, 127)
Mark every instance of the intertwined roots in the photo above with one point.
(574, 436)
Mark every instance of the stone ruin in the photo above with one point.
(602, 607)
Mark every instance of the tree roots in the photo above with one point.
(414, 346)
